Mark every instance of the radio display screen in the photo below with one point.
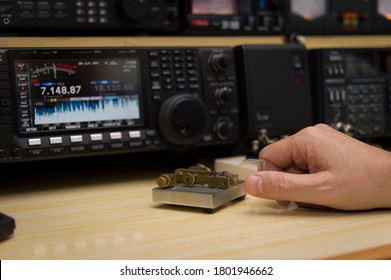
(213, 7)
(76, 94)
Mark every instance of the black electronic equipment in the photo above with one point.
(309, 17)
(102, 17)
(232, 17)
(352, 90)
(69, 102)
(275, 84)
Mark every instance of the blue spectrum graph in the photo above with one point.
(77, 111)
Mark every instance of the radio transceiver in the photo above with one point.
(63, 102)
(193, 17)
(352, 89)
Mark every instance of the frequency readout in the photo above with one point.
(56, 95)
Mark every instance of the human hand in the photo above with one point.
(320, 166)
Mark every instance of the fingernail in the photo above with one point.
(253, 185)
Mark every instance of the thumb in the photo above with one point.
(281, 186)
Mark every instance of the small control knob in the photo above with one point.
(134, 10)
(226, 130)
(220, 61)
(222, 96)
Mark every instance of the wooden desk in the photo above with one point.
(104, 210)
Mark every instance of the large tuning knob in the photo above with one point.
(134, 10)
(220, 61)
(183, 119)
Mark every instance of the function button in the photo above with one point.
(80, 12)
(353, 90)
(103, 20)
(134, 134)
(80, 3)
(166, 73)
(337, 95)
(115, 135)
(55, 140)
(343, 95)
(59, 6)
(43, 6)
(154, 75)
(153, 53)
(150, 133)
(91, 20)
(26, 15)
(165, 59)
(76, 138)
(44, 15)
(102, 4)
(331, 95)
(91, 4)
(154, 64)
(60, 15)
(178, 59)
(167, 87)
(26, 6)
(96, 137)
(35, 142)
(177, 52)
(156, 85)
(166, 66)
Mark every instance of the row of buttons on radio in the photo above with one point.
(5, 93)
(79, 138)
(86, 11)
(92, 148)
(357, 93)
(336, 69)
(337, 94)
(42, 10)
